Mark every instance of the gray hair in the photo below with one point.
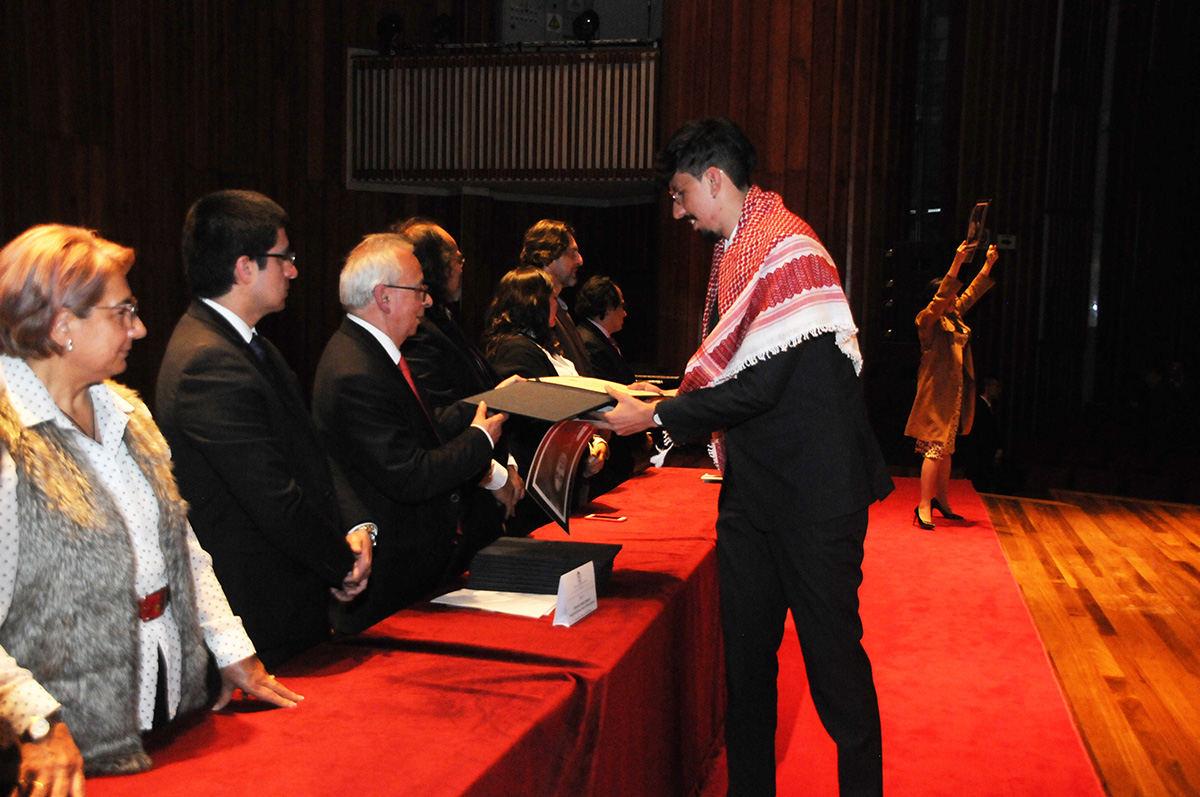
(372, 262)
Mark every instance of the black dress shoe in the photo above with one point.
(936, 504)
(917, 519)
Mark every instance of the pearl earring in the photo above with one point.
(70, 345)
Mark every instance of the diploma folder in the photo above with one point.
(522, 564)
(552, 399)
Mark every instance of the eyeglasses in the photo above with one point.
(288, 256)
(126, 310)
(676, 196)
(421, 290)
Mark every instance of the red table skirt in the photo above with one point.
(442, 701)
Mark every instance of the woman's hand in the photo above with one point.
(252, 678)
(52, 767)
(992, 257)
(960, 256)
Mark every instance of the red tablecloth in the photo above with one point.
(443, 701)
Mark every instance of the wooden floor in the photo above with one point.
(1114, 587)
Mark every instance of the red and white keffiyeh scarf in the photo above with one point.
(774, 287)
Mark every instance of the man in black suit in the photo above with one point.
(247, 456)
(777, 371)
(422, 474)
(600, 313)
(550, 245)
(447, 366)
(983, 445)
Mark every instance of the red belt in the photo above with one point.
(153, 605)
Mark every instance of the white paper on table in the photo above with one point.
(523, 604)
(576, 595)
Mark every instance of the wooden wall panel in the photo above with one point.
(117, 115)
(804, 79)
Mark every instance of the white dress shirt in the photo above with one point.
(21, 697)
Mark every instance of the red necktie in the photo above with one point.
(408, 377)
(458, 532)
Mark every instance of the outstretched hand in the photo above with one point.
(629, 416)
(992, 256)
(252, 678)
(511, 380)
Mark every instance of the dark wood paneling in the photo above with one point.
(117, 115)
(815, 85)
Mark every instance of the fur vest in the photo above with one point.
(74, 616)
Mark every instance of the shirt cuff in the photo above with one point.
(497, 477)
(485, 434)
(228, 641)
(24, 701)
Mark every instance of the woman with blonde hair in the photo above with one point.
(108, 605)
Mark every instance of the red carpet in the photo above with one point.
(969, 701)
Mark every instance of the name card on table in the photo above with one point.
(576, 595)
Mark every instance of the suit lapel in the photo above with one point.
(446, 325)
(382, 365)
(274, 370)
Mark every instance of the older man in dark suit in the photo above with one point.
(247, 456)
(423, 475)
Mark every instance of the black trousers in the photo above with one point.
(815, 570)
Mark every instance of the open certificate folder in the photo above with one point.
(554, 398)
(557, 399)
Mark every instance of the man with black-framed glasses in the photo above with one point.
(422, 471)
(248, 458)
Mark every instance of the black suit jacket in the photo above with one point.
(449, 368)
(444, 362)
(799, 446)
(259, 486)
(607, 362)
(416, 487)
(572, 345)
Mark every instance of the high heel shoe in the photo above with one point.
(946, 513)
(917, 519)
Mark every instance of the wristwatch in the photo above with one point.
(39, 728)
(370, 528)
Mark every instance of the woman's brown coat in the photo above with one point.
(945, 362)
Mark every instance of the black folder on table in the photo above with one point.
(522, 564)
(547, 401)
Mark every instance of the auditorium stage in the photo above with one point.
(439, 701)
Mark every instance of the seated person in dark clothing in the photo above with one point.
(551, 245)
(600, 313)
(983, 445)
(519, 340)
(422, 477)
(443, 360)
